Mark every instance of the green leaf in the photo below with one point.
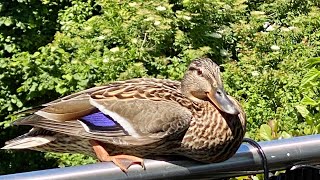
(307, 131)
(310, 76)
(67, 77)
(255, 178)
(317, 129)
(19, 103)
(285, 135)
(7, 21)
(9, 47)
(274, 125)
(60, 88)
(309, 120)
(36, 54)
(308, 101)
(302, 110)
(265, 132)
(33, 87)
(314, 61)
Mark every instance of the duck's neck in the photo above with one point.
(211, 128)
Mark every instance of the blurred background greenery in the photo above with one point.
(267, 51)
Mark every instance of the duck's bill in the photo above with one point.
(221, 100)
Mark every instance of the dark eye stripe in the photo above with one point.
(191, 68)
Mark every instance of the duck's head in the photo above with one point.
(202, 82)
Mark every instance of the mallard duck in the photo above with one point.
(142, 117)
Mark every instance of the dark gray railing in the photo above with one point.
(281, 154)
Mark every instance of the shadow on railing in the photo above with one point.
(281, 154)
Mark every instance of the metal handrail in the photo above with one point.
(281, 154)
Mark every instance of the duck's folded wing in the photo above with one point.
(145, 118)
(124, 114)
(133, 122)
(77, 128)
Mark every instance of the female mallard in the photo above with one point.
(142, 117)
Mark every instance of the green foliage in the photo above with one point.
(65, 159)
(270, 69)
(26, 25)
(54, 48)
(309, 106)
(271, 131)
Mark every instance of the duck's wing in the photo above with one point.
(133, 112)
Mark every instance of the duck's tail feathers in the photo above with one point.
(35, 137)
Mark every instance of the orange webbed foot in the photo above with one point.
(132, 160)
(104, 156)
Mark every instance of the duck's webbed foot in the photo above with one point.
(104, 156)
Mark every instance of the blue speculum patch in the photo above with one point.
(98, 121)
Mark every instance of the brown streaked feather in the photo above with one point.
(74, 128)
(152, 116)
(72, 100)
(35, 137)
(71, 109)
(146, 121)
(165, 83)
(77, 95)
(120, 97)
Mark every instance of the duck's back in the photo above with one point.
(126, 114)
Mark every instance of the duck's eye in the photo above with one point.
(199, 71)
(219, 93)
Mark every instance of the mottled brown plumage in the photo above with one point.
(194, 118)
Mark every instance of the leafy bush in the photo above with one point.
(271, 67)
(67, 46)
(309, 107)
(27, 25)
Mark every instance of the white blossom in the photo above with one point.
(105, 60)
(227, 7)
(101, 37)
(187, 18)
(257, 13)
(292, 28)
(161, 8)
(215, 35)
(270, 28)
(134, 40)
(149, 19)
(284, 29)
(275, 48)
(266, 24)
(132, 4)
(115, 49)
(156, 23)
(255, 73)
